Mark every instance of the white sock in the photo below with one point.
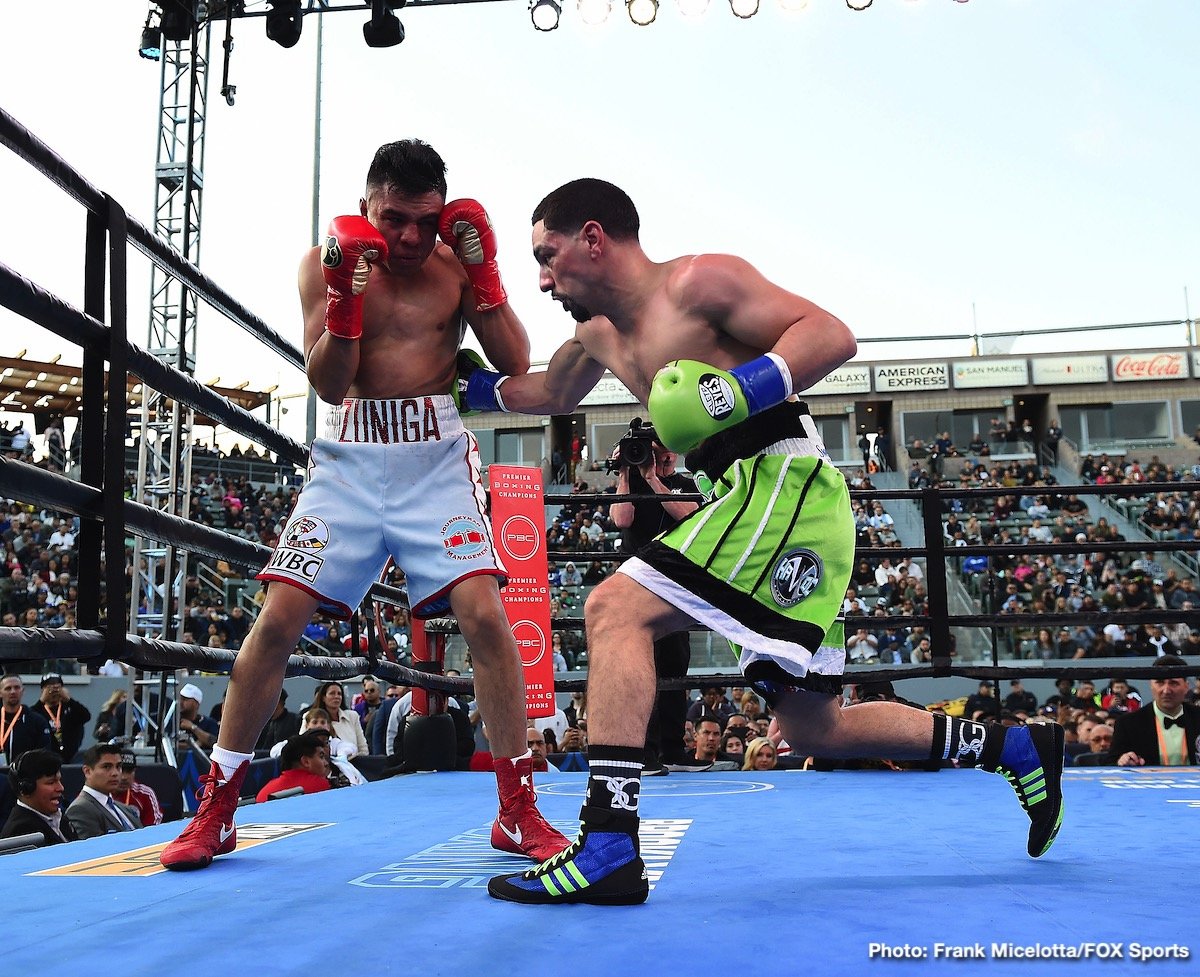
(228, 761)
(524, 756)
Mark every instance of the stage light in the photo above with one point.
(384, 28)
(545, 14)
(745, 9)
(642, 12)
(151, 46)
(285, 22)
(593, 12)
(178, 19)
(692, 8)
(858, 4)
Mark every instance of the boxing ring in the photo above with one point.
(780, 872)
(796, 871)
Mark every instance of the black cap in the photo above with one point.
(51, 679)
(128, 758)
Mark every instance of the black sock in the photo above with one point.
(969, 743)
(614, 783)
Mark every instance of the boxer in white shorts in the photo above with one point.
(385, 311)
(398, 478)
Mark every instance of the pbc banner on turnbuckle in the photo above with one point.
(519, 528)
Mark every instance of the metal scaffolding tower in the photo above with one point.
(163, 428)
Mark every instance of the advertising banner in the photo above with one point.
(911, 376)
(1128, 367)
(972, 374)
(1055, 371)
(519, 528)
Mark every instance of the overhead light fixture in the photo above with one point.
(593, 12)
(384, 28)
(642, 12)
(692, 8)
(178, 19)
(285, 21)
(858, 4)
(745, 9)
(545, 14)
(151, 46)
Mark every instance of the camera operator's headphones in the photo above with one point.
(21, 782)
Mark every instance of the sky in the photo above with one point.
(920, 168)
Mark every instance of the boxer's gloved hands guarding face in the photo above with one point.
(351, 244)
(466, 229)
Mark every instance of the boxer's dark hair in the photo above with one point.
(573, 204)
(407, 166)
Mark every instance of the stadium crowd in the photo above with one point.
(324, 743)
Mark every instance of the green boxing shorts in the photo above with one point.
(766, 561)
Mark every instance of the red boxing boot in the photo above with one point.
(211, 832)
(520, 827)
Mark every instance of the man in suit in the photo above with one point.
(1164, 735)
(36, 779)
(95, 811)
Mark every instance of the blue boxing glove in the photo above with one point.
(476, 388)
(690, 401)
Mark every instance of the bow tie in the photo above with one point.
(1168, 722)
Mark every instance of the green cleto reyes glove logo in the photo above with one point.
(716, 396)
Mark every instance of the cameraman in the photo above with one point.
(639, 523)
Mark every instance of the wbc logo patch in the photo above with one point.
(797, 574)
(716, 395)
(306, 533)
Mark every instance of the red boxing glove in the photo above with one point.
(467, 231)
(351, 244)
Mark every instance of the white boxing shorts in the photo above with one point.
(390, 478)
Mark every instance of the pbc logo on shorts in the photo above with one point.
(716, 395)
(331, 252)
(306, 533)
(463, 538)
(797, 574)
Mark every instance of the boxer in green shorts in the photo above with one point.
(765, 561)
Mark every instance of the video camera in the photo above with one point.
(635, 448)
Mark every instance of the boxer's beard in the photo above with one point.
(576, 311)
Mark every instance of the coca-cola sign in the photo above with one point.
(1149, 366)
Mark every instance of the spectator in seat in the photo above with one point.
(982, 704)
(203, 729)
(1019, 699)
(1163, 734)
(96, 811)
(36, 779)
(133, 794)
(343, 721)
(305, 763)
